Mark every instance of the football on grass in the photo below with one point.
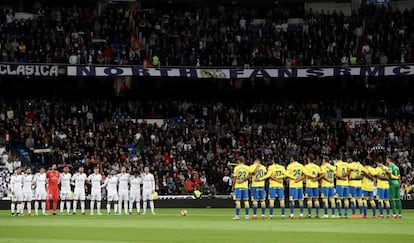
(183, 212)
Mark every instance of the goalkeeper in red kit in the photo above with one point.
(53, 190)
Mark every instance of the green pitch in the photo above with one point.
(201, 225)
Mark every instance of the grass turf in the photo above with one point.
(201, 225)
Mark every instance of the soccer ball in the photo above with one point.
(183, 212)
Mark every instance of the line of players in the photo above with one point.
(121, 187)
(344, 185)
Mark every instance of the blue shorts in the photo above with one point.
(328, 192)
(383, 194)
(295, 193)
(367, 194)
(342, 191)
(276, 192)
(355, 192)
(312, 192)
(241, 194)
(258, 193)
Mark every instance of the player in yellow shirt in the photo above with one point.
(240, 186)
(296, 176)
(313, 175)
(276, 173)
(328, 190)
(355, 190)
(341, 174)
(258, 171)
(383, 187)
(367, 185)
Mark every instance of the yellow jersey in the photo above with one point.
(257, 174)
(356, 171)
(383, 184)
(367, 183)
(341, 169)
(295, 170)
(241, 172)
(311, 171)
(278, 172)
(329, 171)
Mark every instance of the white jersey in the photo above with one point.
(95, 180)
(64, 180)
(79, 180)
(135, 183)
(16, 183)
(111, 183)
(27, 183)
(148, 182)
(123, 181)
(40, 182)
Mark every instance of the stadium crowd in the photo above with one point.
(194, 146)
(261, 36)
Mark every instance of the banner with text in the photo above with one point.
(226, 73)
(39, 70)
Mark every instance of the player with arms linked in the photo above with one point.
(240, 187)
(258, 171)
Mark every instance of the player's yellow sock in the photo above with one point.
(246, 204)
(364, 203)
(332, 201)
(271, 203)
(282, 206)
(254, 207)
(325, 202)
(346, 203)
(373, 206)
(387, 206)
(238, 204)
(309, 204)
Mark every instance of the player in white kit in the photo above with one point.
(16, 186)
(111, 184)
(95, 180)
(27, 191)
(79, 179)
(123, 178)
(148, 189)
(65, 191)
(135, 192)
(40, 182)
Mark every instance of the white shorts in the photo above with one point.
(147, 195)
(17, 197)
(41, 195)
(112, 196)
(134, 197)
(96, 195)
(79, 194)
(123, 195)
(28, 196)
(65, 195)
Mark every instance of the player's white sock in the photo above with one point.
(126, 206)
(152, 206)
(12, 207)
(131, 206)
(82, 206)
(43, 207)
(144, 207)
(108, 208)
(62, 206)
(75, 205)
(29, 207)
(115, 208)
(120, 206)
(18, 208)
(21, 206)
(91, 205)
(138, 207)
(98, 207)
(68, 206)
(36, 206)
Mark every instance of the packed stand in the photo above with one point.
(209, 36)
(193, 148)
(76, 35)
